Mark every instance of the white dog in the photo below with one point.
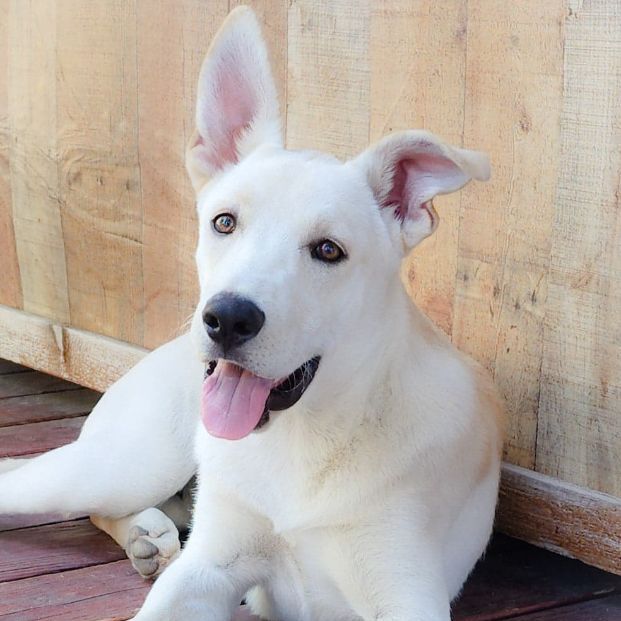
(348, 456)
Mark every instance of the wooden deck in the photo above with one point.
(69, 571)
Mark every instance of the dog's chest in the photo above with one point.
(296, 486)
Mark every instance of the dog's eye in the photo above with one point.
(327, 251)
(225, 223)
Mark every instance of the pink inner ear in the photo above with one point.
(416, 180)
(236, 107)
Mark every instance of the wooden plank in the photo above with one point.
(418, 50)
(99, 171)
(604, 609)
(48, 406)
(10, 284)
(579, 434)
(52, 548)
(6, 367)
(82, 357)
(38, 437)
(561, 516)
(16, 521)
(512, 110)
(32, 383)
(33, 158)
(328, 83)
(110, 592)
(514, 578)
(166, 121)
(113, 592)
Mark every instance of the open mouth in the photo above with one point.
(235, 402)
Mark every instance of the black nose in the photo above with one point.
(231, 320)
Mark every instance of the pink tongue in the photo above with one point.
(233, 401)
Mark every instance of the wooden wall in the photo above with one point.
(97, 223)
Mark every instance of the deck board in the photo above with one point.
(110, 591)
(52, 548)
(46, 406)
(600, 609)
(52, 569)
(7, 367)
(515, 578)
(38, 437)
(31, 383)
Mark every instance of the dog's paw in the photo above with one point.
(152, 543)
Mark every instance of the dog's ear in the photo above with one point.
(236, 100)
(407, 169)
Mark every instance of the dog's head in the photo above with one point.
(299, 253)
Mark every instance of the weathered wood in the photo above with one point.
(56, 547)
(562, 517)
(48, 406)
(579, 433)
(32, 383)
(166, 121)
(34, 159)
(10, 284)
(98, 167)
(328, 82)
(505, 231)
(515, 579)
(7, 367)
(110, 592)
(38, 437)
(604, 609)
(16, 521)
(418, 50)
(83, 357)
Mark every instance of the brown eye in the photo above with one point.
(225, 223)
(327, 251)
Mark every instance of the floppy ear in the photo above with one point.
(406, 170)
(237, 105)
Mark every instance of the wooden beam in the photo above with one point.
(560, 516)
(83, 357)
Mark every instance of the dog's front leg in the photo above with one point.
(228, 552)
(390, 571)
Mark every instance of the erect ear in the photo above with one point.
(237, 105)
(407, 169)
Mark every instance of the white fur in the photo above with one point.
(374, 495)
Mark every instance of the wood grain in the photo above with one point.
(99, 172)
(505, 232)
(31, 383)
(10, 285)
(47, 406)
(7, 367)
(579, 434)
(166, 122)
(110, 592)
(88, 359)
(33, 134)
(560, 516)
(604, 609)
(514, 579)
(38, 437)
(328, 82)
(55, 547)
(12, 521)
